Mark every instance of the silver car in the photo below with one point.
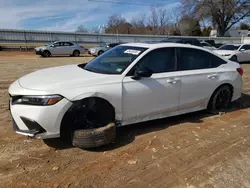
(60, 48)
(96, 51)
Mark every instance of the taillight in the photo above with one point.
(240, 71)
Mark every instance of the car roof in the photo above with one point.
(160, 45)
(63, 41)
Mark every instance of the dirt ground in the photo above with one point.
(188, 151)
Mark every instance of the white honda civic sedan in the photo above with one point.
(128, 84)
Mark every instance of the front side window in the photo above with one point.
(159, 60)
(114, 61)
(68, 44)
(193, 59)
(229, 47)
(56, 44)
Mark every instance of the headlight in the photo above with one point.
(38, 100)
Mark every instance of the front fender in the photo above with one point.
(118, 113)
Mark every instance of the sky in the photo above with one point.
(67, 15)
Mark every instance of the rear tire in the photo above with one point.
(220, 100)
(76, 53)
(92, 138)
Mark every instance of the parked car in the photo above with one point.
(235, 52)
(96, 51)
(128, 84)
(60, 48)
(211, 42)
(207, 45)
(192, 41)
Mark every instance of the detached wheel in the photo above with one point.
(100, 52)
(76, 53)
(46, 53)
(220, 100)
(91, 138)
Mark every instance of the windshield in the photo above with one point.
(229, 47)
(114, 61)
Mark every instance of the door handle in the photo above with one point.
(173, 81)
(212, 76)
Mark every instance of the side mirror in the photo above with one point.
(242, 50)
(53, 46)
(143, 72)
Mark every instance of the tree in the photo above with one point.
(223, 13)
(189, 26)
(244, 26)
(153, 20)
(139, 24)
(206, 31)
(82, 29)
(117, 24)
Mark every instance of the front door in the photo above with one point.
(156, 96)
(244, 55)
(57, 48)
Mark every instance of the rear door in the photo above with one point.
(199, 76)
(68, 48)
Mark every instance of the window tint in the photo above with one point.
(113, 45)
(246, 47)
(215, 61)
(68, 44)
(160, 60)
(56, 44)
(192, 59)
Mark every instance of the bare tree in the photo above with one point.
(162, 20)
(82, 29)
(117, 24)
(175, 16)
(154, 20)
(139, 24)
(189, 26)
(223, 13)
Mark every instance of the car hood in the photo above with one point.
(224, 52)
(64, 77)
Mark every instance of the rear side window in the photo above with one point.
(159, 60)
(216, 61)
(193, 59)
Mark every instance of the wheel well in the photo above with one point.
(100, 51)
(75, 117)
(226, 84)
(76, 50)
(47, 51)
